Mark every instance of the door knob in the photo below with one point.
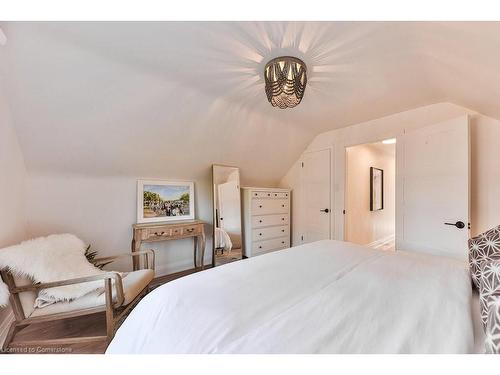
(458, 224)
(325, 210)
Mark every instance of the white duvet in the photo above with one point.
(322, 297)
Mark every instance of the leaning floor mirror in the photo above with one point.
(227, 243)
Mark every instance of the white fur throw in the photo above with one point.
(47, 259)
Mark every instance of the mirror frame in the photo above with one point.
(214, 218)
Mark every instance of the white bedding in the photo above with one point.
(322, 297)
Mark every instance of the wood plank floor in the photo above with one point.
(91, 325)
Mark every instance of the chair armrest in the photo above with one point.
(149, 254)
(105, 276)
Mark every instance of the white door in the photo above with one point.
(316, 192)
(435, 193)
(230, 211)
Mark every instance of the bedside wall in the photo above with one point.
(12, 192)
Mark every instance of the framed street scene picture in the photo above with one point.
(162, 200)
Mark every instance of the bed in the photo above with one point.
(322, 297)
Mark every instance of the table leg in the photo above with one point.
(195, 250)
(136, 246)
(134, 261)
(203, 241)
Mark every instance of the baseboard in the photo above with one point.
(4, 326)
(381, 241)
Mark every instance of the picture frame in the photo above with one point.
(376, 189)
(164, 200)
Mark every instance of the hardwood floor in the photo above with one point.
(91, 325)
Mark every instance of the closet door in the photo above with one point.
(434, 208)
(316, 192)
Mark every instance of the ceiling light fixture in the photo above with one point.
(286, 79)
(389, 141)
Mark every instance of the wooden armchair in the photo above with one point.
(128, 290)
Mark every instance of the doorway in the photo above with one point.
(370, 194)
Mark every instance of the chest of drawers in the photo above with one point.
(266, 220)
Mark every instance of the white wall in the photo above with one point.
(485, 153)
(101, 211)
(363, 226)
(12, 192)
(485, 173)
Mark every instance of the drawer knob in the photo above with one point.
(260, 234)
(260, 221)
(283, 230)
(260, 206)
(282, 241)
(282, 205)
(260, 247)
(275, 195)
(283, 218)
(159, 234)
(268, 194)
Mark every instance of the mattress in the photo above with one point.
(322, 297)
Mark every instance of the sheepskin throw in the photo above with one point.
(482, 248)
(47, 259)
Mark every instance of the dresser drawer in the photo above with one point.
(268, 220)
(279, 194)
(262, 194)
(191, 230)
(269, 206)
(176, 231)
(270, 194)
(157, 233)
(270, 232)
(269, 245)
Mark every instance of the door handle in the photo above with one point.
(325, 210)
(458, 224)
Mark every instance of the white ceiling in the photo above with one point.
(169, 99)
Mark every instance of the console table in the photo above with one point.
(171, 230)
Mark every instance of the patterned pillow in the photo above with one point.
(492, 340)
(483, 248)
(489, 288)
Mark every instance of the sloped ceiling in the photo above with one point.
(168, 99)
